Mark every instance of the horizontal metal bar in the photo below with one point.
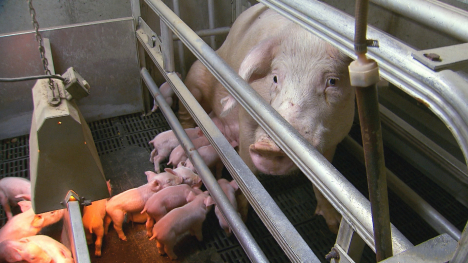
(208, 32)
(435, 14)
(339, 191)
(238, 227)
(442, 92)
(411, 198)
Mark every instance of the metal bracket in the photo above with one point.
(437, 250)
(450, 57)
(152, 38)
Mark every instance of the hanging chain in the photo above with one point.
(32, 12)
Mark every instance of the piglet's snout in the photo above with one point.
(269, 158)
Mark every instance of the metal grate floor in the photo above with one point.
(293, 194)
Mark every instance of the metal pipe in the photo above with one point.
(375, 168)
(443, 92)
(371, 130)
(180, 46)
(435, 14)
(340, 192)
(209, 32)
(211, 22)
(167, 48)
(249, 244)
(411, 198)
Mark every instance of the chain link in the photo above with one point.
(39, 39)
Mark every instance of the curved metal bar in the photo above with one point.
(435, 14)
(339, 191)
(443, 92)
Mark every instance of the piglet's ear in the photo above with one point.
(169, 170)
(155, 185)
(209, 201)
(150, 175)
(234, 185)
(24, 205)
(38, 221)
(14, 255)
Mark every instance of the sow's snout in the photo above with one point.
(269, 158)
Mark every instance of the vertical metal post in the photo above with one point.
(211, 22)
(364, 75)
(180, 46)
(238, 8)
(167, 47)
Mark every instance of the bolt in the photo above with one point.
(333, 254)
(433, 57)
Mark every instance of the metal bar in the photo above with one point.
(238, 227)
(461, 253)
(442, 92)
(349, 242)
(411, 198)
(211, 22)
(208, 32)
(435, 14)
(339, 191)
(136, 11)
(180, 46)
(74, 233)
(375, 168)
(167, 47)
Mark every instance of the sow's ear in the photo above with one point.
(256, 64)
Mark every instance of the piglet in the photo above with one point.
(165, 200)
(16, 251)
(133, 200)
(93, 222)
(13, 190)
(178, 154)
(165, 142)
(211, 159)
(27, 223)
(168, 94)
(56, 250)
(187, 175)
(186, 219)
(229, 189)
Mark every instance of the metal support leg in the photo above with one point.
(349, 243)
(180, 46)
(211, 22)
(73, 232)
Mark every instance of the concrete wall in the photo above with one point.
(14, 14)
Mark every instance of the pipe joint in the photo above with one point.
(363, 73)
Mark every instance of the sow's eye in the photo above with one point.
(275, 79)
(331, 82)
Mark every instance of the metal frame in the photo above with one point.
(396, 64)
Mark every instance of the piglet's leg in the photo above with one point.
(118, 217)
(160, 247)
(149, 225)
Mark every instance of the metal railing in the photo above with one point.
(399, 68)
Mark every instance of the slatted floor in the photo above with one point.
(129, 135)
